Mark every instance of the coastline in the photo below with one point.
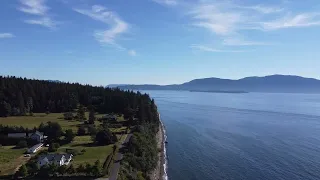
(160, 172)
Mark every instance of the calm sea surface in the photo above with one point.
(241, 136)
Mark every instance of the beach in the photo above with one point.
(159, 173)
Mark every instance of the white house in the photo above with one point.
(17, 135)
(38, 136)
(35, 148)
(58, 159)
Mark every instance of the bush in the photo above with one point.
(53, 147)
(22, 144)
(22, 172)
(69, 135)
(81, 131)
(68, 116)
(92, 130)
(105, 137)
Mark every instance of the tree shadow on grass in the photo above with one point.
(85, 145)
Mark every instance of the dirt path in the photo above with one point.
(20, 161)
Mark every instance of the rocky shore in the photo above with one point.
(159, 172)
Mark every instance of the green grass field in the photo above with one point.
(35, 120)
(10, 159)
(92, 154)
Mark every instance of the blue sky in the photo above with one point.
(158, 41)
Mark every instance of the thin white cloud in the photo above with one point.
(229, 20)
(116, 24)
(38, 9)
(263, 9)
(166, 2)
(98, 8)
(221, 18)
(43, 21)
(241, 42)
(299, 20)
(132, 52)
(6, 35)
(210, 49)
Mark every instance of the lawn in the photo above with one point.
(91, 154)
(10, 159)
(35, 120)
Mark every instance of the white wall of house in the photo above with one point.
(35, 148)
(59, 162)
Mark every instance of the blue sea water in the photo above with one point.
(241, 136)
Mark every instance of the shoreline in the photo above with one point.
(160, 172)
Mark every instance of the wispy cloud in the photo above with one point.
(36, 7)
(231, 22)
(43, 21)
(211, 49)
(132, 52)
(293, 21)
(6, 35)
(227, 18)
(263, 9)
(241, 42)
(216, 18)
(39, 9)
(166, 2)
(117, 26)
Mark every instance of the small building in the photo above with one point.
(17, 135)
(38, 136)
(109, 117)
(57, 159)
(35, 148)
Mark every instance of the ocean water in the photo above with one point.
(241, 136)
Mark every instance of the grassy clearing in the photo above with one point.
(38, 118)
(10, 159)
(123, 128)
(91, 154)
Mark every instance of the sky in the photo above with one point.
(102, 42)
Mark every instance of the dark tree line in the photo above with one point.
(20, 96)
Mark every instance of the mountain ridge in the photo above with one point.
(270, 83)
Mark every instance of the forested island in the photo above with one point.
(93, 118)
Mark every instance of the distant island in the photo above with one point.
(273, 83)
(231, 92)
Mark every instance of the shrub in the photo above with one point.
(81, 131)
(22, 144)
(53, 147)
(68, 116)
(22, 172)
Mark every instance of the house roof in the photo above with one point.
(36, 146)
(37, 133)
(47, 157)
(53, 157)
(68, 156)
